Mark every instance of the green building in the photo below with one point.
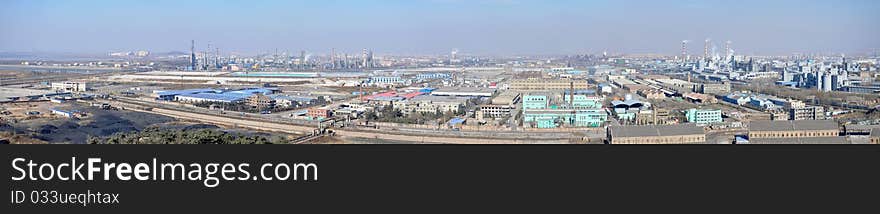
(584, 101)
(546, 123)
(590, 118)
(535, 102)
(703, 116)
(552, 118)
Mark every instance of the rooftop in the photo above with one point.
(875, 132)
(220, 97)
(505, 98)
(185, 91)
(655, 130)
(411, 95)
(251, 91)
(580, 92)
(806, 140)
(387, 98)
(213, 94)
(384, 94)
(464, 90)
(792, 125)
(440, 99)
(627, 103)
(292, 98)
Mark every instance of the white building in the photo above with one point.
(69, 86)
(387, 80)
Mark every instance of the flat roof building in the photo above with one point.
(806, 113)
(432, 104)
(714, 88)
(552, 118)
(535, 102)
(582, 101)
(494, 111)
(506, 98)
(69, 86)
(25, 94)
(319, 113)
(704, 116)
(653, 117)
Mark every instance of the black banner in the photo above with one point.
(447, 178)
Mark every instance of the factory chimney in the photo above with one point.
(571, 94)
(192, 56)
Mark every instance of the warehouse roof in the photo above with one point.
(464, 91)
(438, 99)
(655, 130)
(251, 91)
(411, 95)
(580, 92)
(291, 98)
(627, 103)
(801, 140)
(17, 93)
(387, 98)
(792, 125)
(861, 127)
(186, 91)
(384, 94)
(225, 97)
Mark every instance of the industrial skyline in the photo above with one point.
(434, 27)
(445, 71)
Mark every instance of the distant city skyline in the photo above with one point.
(481, 27)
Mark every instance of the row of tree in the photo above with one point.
(155, 135)
(389, 114)
(244, 107)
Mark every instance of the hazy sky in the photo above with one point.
(437, 26)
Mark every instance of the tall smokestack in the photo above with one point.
(571, 95)
(192, 57)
